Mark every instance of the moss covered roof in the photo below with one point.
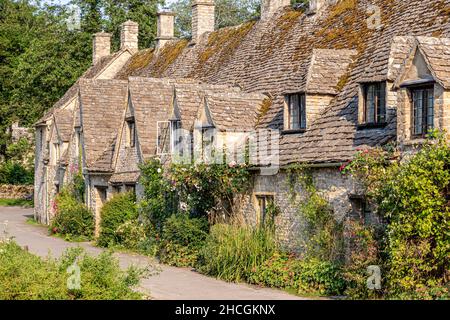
(273, 56)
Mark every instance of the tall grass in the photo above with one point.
(232, 252)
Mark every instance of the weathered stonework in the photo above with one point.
(8, 191)
(101, 46)
(269, 7)
(334, 186)
(202, 18)
(129, 35)
(165, 28)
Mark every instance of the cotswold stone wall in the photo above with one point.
(8, 191)
(334, 186)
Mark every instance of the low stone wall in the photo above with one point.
(8, 191)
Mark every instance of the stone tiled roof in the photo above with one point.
(64, 123)
(136, 63)
(102, 104)
(234, 111)
(151, 100)
(274, 55)
(326, 68)
(104, 162)
(90, 73)
(125, 177)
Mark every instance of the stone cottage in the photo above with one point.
(330, 78)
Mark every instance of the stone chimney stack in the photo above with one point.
(316, 5)
(165, 28)
(129, 35)
(101, 46)
(269, 7)
(202, 18)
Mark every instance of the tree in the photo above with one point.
(141, 11)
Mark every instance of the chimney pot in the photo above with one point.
(129, 35)
(165, 28)
(101, 46)
(202, 18)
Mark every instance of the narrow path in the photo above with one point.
(171, 283)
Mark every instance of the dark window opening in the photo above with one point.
(131, 133)
(296, 109)
(422, 110)
(361, 209)
(131, 188)
(207, 142)
(374, 111)
(265, 206)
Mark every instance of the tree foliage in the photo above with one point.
(41, 55)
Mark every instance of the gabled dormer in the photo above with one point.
(205, 139)
(423, 88)
(306, 101)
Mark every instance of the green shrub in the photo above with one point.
(181, 240)
(24, 276)
(277, 272)
(305, 277)
(363, 252)
(118, 210)
(72, 217)
(137, 236)
(15, 173)
(412, 196)
(232, 252)
(320, 277)
(158, 202)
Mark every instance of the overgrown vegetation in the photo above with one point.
(412, 195)
(323, 233)
(16, 203)
(233, 252)
(410, 246)
(120, 209)
(72, 219)
(305, 277)
(24, 276)
(17, 163)
(181, 240)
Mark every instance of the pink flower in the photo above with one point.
(232, 164)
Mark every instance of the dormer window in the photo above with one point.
(295, 112)
(131, 132)
(373, 104)
(422, 110)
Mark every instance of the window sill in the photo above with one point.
(365, 126)
(415, 140)
(293, 131)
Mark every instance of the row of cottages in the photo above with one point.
(327, 80)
